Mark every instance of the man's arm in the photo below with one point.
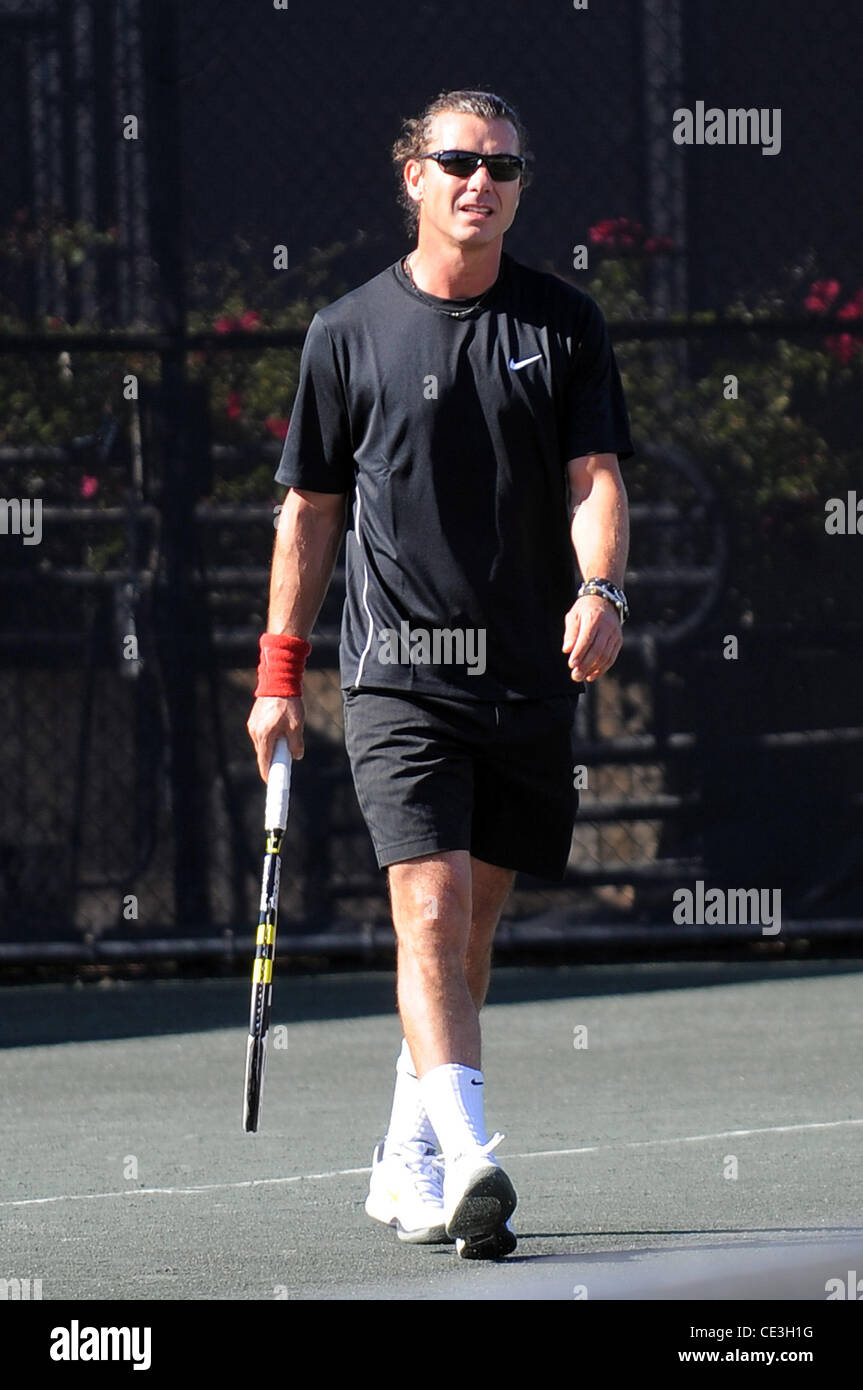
(600, 536)
(307, 545)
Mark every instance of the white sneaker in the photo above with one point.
(497, 1246)
(477, 1195)
(406, 1191)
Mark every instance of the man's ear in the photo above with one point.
(414, 188)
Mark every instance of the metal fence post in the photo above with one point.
(177, 625)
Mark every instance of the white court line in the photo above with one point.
(353, 1172)
(687, 1138)
(181, 1191)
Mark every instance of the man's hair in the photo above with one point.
(416, 132)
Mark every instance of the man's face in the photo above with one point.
(465, 211)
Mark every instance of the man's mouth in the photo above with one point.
(481, 208)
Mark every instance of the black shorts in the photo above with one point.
(435, 774)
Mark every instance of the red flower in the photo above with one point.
(658, 245)
(277, 426)
(234, 408)
(247, 320)
(89, 486)
(844, 345)
(617, 234)
(601, 234)
(841, 346)
(821, 295)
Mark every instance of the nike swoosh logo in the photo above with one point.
(517, 366)
(475, 1083)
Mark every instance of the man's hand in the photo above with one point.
(592, 636)
(273, 718)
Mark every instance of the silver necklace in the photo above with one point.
(453, 313)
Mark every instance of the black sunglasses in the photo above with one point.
(503, 168)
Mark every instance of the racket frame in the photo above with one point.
(275, 822)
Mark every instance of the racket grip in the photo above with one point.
(278, 788)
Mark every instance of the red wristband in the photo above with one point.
(283, 660)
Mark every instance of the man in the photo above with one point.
(472, 410)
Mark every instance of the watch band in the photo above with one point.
(603, 588)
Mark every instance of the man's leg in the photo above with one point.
(409, 1125)
(432, 905)
(490, 890)
(431, 899)
(446, 908)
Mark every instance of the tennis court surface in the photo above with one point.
(674, 1131)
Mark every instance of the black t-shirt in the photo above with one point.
(451, 422)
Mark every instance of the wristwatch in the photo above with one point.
(603, 588)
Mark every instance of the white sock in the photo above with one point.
(453, 1097)
(409, 1122)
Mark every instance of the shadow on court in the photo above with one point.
(45, 1015)
(800, 1267)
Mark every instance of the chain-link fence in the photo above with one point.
(184, 185)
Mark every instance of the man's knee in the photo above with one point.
(431, 902)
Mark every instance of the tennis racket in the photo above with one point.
(275, 820)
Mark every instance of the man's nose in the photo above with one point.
(480, 179)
